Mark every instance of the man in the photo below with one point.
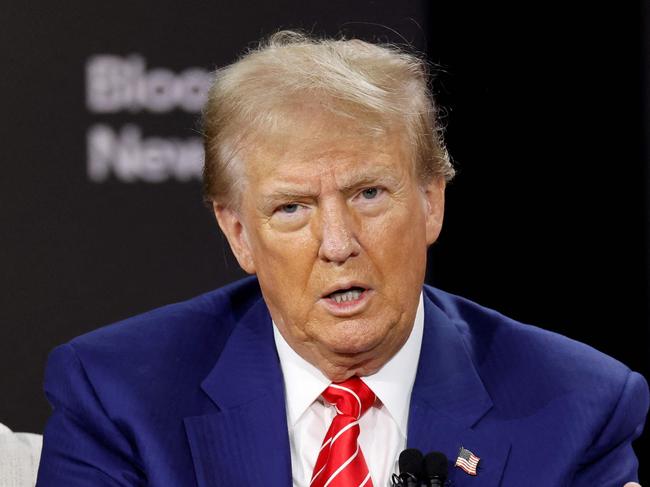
(326, 172)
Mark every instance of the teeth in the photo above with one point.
(352, 295)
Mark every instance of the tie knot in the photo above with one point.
(351, 397)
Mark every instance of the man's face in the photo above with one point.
(336, 226)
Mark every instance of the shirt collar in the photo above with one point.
(392, 384)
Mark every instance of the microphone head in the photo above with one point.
(410, 461)
(435, 465)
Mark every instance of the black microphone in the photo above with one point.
(410, 469)
(435, 469)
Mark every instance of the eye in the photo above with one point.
(290, 217)
(290, 208)
(370, 193)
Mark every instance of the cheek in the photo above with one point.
(397, 247)
(397, 233)
(284, 262)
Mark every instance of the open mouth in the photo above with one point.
(350, 294)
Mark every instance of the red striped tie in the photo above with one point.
(340, 462)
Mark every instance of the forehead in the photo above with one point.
(310, 147)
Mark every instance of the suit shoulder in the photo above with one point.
(224, 305)
(537, 363)
(204, 321)
(157, 357)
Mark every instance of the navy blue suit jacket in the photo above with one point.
(192, 394)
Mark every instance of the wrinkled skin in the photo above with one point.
(325, 206)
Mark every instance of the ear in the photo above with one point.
(434, 193)
(231, 225)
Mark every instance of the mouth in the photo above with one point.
(350, 294)
(346, 300)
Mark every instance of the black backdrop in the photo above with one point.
(100, 204)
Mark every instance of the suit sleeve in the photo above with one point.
(82, 446)
(611, 460)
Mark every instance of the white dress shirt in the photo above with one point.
(383, 428)
(19, 457)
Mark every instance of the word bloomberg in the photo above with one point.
(117, 84)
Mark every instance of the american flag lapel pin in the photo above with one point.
(467, 461)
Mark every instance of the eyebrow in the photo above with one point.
(366, 179)
(291, 192)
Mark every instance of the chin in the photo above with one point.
(352, 348)
(355, 341)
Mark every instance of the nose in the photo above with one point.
(338, 237)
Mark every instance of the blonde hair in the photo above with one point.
(376, 85)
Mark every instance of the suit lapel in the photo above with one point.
(245, 441)
(449, 400)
